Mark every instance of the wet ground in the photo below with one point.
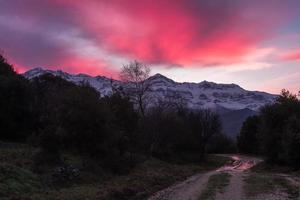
(238, 169)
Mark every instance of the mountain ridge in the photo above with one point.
(233, 103)
(203, 94)
(157, 75)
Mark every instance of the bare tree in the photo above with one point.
(172, 101)
(204, 125)
(210, 125)
(135, 75)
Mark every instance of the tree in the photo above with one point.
(287, 97)
(171, 101)
(16, 121)
(125, 117)
(165, 132)
(291, 141)
(204, 124)
(135, 75)
(76, 117)
(178, 133)
(6, 69)
(72, 112)
(280, 130)
(221, 143)
(248, 139)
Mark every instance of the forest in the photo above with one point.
(57, 135)
(57, 116)
(275, 132)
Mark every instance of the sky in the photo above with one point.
(255, 44)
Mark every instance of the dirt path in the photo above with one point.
(191, 188)
(234, 191)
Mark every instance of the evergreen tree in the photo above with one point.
(16, 120)
(248, 139)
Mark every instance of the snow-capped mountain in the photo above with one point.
(196, 95)
(233, 103)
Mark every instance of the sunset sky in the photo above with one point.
(253, 43)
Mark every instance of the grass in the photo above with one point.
(266, 178)
(17, 181)
(20, 157)
(263, 183)
(266, 168)
(215, 161)
(146, 179)
(272, 168)
(216, 184)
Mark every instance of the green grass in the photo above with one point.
(144, 180)
(216, 184)
(21, 156)
(18, 181)
(266, 168)
(215, 161)
(263, 183)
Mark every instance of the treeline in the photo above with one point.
(58, 116)
(275, 133)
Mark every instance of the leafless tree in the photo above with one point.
(210, 125)
(172, 101)
(135, 75)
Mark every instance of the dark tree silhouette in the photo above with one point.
(248, 139)
(276, 132)
(6, 69)
(16, 120)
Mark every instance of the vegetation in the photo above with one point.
(248, 139)
(18, 181)
(216, 184)
(58, 116)
(135, 75)
(15, 180)
(275, 133)
(15, 104)
(262, 183)
(220, 143)
(164, 128)
(59, 135)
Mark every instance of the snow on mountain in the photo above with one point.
(196, 95)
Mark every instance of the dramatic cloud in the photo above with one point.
(181, 32)
(98, 36)
(292, 56)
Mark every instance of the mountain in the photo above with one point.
(232, 120)
(233, 103)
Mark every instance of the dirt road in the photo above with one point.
(216, 185)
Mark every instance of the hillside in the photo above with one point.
(233, 103)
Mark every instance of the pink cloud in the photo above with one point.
(179, 32)
(292, 56)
